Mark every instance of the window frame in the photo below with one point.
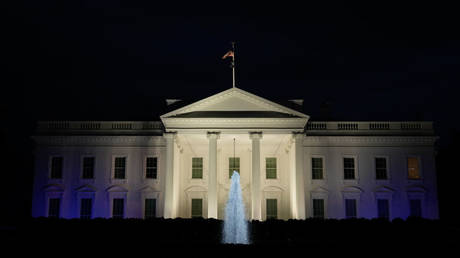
(420, 170)
(356, 169)
(150, 193)
(420, 200)
(356, 208)
(112, 177)
(239, 166)
(202, 169)
(276, 168)
(112, 206)
(145, 208)
(389, 208)
(191, 208)
(146, 167)
(319, 193)
(387, 164)
(50, 168)
(83, 157)
(81, 207)
(313, 207)
(48, 207)
(276, 201)
(323, 160)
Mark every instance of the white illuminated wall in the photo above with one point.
(135, 188)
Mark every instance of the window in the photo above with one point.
(381, 168)
(348, 168)
(383, 208)
(150, 208)
(316, 168)
(88, 168)
(318, 208)
(197, 168)
(118, 209)
(151, 166)
(54, 207)
(412, 168)
(350, 208)
(86, 208)
(272, 209)
(197, 208)
(56, 167)
(270, 168)
(415, 207)
(234, 165)
(120, 168)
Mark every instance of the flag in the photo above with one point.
(229, 53)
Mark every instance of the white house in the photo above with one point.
(289, 167)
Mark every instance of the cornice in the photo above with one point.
(235, 122)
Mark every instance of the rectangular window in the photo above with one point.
(270, 168)
(272, 209)
(151, 167)
(56, 167)
(150, 208)
(88, 168)
(415, 208)
(120, 168)
(197, 208)
(350, 208)
(118, 209)
(316, 168)
(318, 208)
(348, 168)
(234, 165)
(86, 206)
(412, 168)
(383, 208)
(381, 168)
(54, 207)
(197, 168)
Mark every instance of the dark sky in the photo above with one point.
(118, 60)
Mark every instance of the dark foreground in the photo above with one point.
(177, 234)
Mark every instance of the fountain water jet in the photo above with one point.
(235, 225)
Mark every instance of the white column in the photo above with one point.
(169, 174)
(255, 187)
(212, 179)
(299, 174)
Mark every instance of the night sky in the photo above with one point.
(119, 60)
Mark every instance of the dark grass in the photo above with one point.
(178, 234)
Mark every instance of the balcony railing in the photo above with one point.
(99, 127)
(369, 128)
(313, 128)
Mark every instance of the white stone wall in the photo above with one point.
(103, 187)
(333, 188)
(398, 188)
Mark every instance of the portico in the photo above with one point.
(233, 130)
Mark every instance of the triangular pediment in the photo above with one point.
(236, 102)
(116, 188)
(86, 188)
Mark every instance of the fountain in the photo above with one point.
(235, 225)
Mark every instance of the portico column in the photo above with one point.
(169, 171)
(255, 187)
(212, 179)
(299, 174)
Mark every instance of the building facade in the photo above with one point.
(181, 166)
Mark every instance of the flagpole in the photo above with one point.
(233, 63)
